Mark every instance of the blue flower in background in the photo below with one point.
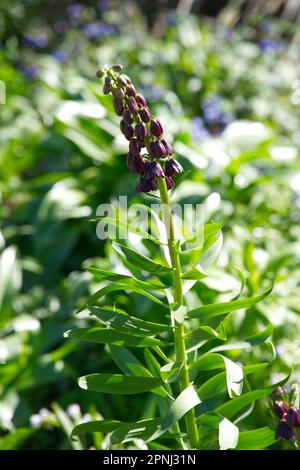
(75, 11)
(39, 41)
(198, 130)
(60, 55)
(31, 71)
(96, 30)
(104, 5)
(214, 115)
(268, 45)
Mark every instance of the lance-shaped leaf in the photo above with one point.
(113, 288)
(119, 320)
(118, 384)
(130, 365)
(138, 260)
(108, 336)
(124, 227)
(105, 426)
(196, 338)
(124, 279)
(149, 430)
(213, 310)
(228, 434)
(230, 378)
(256, 439)
(231, 408)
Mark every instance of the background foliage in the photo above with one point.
(228, 89)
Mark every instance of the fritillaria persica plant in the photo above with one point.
(172, 354)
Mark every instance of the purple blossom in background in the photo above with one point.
(153, 93)
(75, 11)
(96, 30)
(270, 45)
(31, 71)
(198, 130)
(39, 41)
(60, 55)
(214, 115)
(104, 5)
(169, 19)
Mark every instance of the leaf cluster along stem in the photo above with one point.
(180, 351)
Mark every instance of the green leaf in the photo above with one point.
(151, 429)
(138, 260)
(194, 273)
(16, 440)
(113, 288)
(118, 384)
(119, 320)
(143, 429)
(213, 310)
(124, 279)
(125, 227)
(257, 439)
(196, 338)
(105, 426)
(130, 365)
(233, 378)
(178, 312)
(107, 336)
(235, 405)
(228, 434)
(187, 400)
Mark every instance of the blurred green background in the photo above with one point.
(225, 79)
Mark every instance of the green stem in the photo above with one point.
(180, 352)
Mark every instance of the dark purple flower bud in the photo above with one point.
(145, 114)
(293, 417)
(156, 127)
(153, 170)
(107, 85)
(121, 80)
(141, 100)
(118, 106)
(118, 93)
(280, 408)
(130, 90)
(135, 163)
(126, 129)
(173, 167)
(117, 67)
(168, 147)
(132, 104)
(157, 149)
(127, 116)
(144, 185)
(141, 131)
(100, 73)
(170, 182)
(284, 432)
(134, 146)
(277, 392)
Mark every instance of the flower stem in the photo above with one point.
(180, 352)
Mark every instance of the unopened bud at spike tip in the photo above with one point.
(117, 68)
(132, 104)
